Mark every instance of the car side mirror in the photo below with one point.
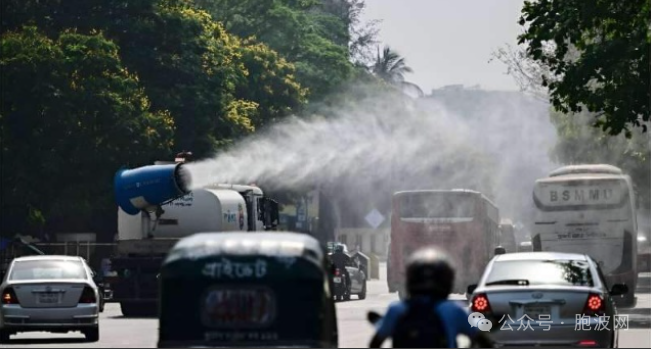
(619, 290)
(500, 250)
(471, 289)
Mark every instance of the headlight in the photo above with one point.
(641, 238)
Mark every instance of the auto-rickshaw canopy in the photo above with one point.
(246, 289)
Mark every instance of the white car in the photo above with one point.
(546, 299)
(51, 294)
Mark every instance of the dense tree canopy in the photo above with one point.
(599, 53)
(99, 84)
(309, 33)
(70, 114)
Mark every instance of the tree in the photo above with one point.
(269, 82)
(391, 68)
(83, 115)
(528, 74)
(299, 30)
(580, 143)
(610, 75)
(362, 37)
(187, 62)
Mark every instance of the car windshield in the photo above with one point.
(47, 269)
(540, 272)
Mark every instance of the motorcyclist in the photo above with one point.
(426, 318)
(340, 259)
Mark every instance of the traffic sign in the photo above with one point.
(374, 218)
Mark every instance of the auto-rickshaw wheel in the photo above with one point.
(138, 309)
(4, 336)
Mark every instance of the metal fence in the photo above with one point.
(91, 251)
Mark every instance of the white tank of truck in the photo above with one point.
(201, 210)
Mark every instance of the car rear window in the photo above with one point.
(541, 272)
(47, 269)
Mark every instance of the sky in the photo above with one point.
(449, 42)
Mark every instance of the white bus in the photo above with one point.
(590, 209)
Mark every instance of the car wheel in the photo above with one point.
(4, 336)
(362, 294)
(92, 335)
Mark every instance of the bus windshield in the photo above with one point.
(436, 205)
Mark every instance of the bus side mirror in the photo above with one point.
(619, 290)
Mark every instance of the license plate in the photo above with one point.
(534, 312)
(48, 298)
(238, 308)
(336, 280)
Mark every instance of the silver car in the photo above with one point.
(546, 298)
(51, 294)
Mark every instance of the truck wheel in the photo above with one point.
(92, 335)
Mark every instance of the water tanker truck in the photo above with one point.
(156, 209)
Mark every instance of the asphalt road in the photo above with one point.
(354, 330)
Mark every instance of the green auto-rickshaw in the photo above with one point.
(247, 290)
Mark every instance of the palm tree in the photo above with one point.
(391, 68)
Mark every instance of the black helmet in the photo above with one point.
(430, 273)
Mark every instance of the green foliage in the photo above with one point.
(599, 52)
(581, 143)
(216, 87)
(71, 114)
(314, 40)
(391, 68)
(99, 84)
(269, 80)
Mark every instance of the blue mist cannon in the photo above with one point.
(146, 188)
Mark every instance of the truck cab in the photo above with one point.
(261, 212)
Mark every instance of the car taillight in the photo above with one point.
(480, 304)
(588, 343)
(9, 296)
(88, 296)
(337, 272)
(595, 305)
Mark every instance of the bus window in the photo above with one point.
(434, 205)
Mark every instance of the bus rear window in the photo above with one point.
(436, 205)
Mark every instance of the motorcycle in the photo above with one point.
(463, 341)
(341, 286)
